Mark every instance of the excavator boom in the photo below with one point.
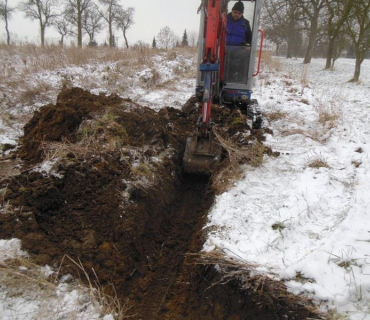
(225, 76)
(202, 150)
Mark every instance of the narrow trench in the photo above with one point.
(176, 287)
(153, 293)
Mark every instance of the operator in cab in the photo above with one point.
(238, 30)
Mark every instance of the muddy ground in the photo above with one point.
(100, 179)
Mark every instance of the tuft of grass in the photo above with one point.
(231, 170)
(333, 314)
(278, 226)
(318, 163)
(172, 55)
(270, 62)
(356, 163)
(328, 114)
(111, 303)
(275, 116)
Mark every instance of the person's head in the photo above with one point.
(237, 10)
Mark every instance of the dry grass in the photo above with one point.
(110, 303)
(24, 279)
(275, 116)
(356, 163)
(96, 137)
(59, 150)
(251, 154)
(291, 132)
(305, 78)
(20, 63)
(5, 206)
(328, 114)
(232, 170)
(318, 163)
(269, 291)
(270, 62)
(335, 315)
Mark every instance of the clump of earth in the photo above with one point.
(102, 182)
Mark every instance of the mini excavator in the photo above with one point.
(224, 77)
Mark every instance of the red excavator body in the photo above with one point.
(221, 78)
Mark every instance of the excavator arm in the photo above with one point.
(202, 151)
(225, 76)
(214, 52)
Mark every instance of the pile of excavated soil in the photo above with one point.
(116, 199)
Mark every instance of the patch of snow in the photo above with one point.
(9, 249)
(305, 225)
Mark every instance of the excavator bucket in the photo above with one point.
(201, 155)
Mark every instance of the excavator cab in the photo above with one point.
(225, 76)
(240, 66)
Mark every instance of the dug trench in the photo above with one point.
(102, 183)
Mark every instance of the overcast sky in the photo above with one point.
(150, 16)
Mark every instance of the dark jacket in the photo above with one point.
(238, 32)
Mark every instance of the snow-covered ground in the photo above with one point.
(300, 220)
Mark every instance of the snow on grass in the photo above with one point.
(156, 83)
(302, 220)
(28, 293)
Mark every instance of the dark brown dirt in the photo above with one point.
(127, 211)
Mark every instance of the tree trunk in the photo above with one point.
(79, 25)
(124, 35)
(356, 76)
(7, 31)
(312, 39)
(329, 54)
(110, 35)
(42, 31)
(61, 42)
(289, 53)
(277, 49)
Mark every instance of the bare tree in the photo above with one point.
(166, 38)
(272, 25)
(42, 10)
(339, 11)
(63, 27)
(193, 38)
(282, 21)
(6, 14)
(342, 41)
(311, 10)
(358, 28)
(92, 22)
(109, 15)
(74, 13)
(124, 20)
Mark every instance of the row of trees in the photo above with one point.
(166, 38)
(326, 25)
(77, 18)
(73, 18)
